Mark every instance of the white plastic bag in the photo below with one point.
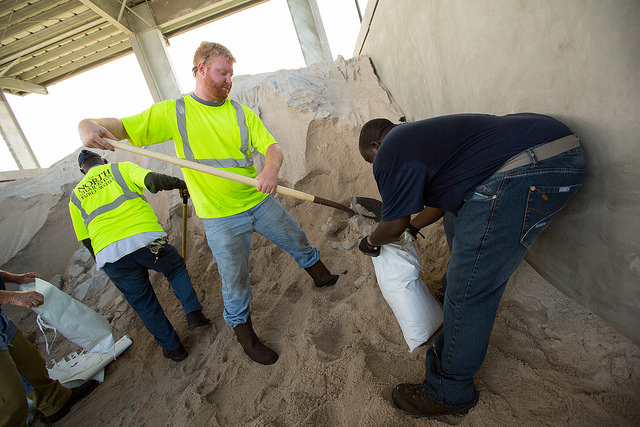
(77, 322)
(76, 369)
(398, 273)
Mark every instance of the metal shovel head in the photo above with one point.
(367, 207)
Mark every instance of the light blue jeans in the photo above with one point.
(230, 239)
(488, 239)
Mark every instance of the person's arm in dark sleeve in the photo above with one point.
(157, 181)
(427, 217)
(87, 244)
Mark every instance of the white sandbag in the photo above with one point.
(416, 310)
(77, 322)
(76, 368)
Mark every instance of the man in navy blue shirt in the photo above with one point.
(498, 181)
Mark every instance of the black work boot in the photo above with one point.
(77, 394)
(177, 355)
(196, 319)
(253, 347)
(412, 399)
(320, 275)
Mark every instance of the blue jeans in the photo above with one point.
(230, 238)
(8, 330)
(488, 238)
(130, 274)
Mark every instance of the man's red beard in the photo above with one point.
(217, 91)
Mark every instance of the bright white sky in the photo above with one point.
(262, 39)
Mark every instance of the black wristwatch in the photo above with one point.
(367, 248)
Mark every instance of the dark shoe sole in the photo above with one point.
(270, 362)
(331, 282)
(412, 399)
(197, 325)
(177, 355)
(197, 319)
(84, 390)
(179, 358)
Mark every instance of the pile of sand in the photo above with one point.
(550, 362)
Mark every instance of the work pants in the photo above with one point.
(22, 359)
(489, 237)
(130, 274)
(230, 239)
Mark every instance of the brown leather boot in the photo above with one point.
(252, 345)
(320, 275)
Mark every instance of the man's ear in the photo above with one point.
(201, 69)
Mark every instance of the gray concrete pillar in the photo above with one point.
(150, 49)
(313, 40)
(14, 137)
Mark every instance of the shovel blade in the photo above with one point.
(367, 207)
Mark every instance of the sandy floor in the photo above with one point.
(341, 351)
(550, 361)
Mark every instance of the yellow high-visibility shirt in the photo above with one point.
(105, 211)
(213, 133)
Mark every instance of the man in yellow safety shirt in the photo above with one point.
(209, 128)
(113, 220)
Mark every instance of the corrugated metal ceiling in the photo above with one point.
(43, 42)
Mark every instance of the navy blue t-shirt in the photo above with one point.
(437, 162)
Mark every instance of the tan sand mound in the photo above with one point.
(550, 362)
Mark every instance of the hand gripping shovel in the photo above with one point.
(225, 174)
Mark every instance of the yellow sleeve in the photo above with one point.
(152, 126)
(261, 139)
(78, 224)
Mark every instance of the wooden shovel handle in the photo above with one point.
(204, 168)
(223, 174)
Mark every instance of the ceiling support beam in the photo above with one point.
(14, 137)
(111, 10)
(21, 86)
(150, 49)
(311, 34)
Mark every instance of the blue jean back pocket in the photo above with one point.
(543, 203)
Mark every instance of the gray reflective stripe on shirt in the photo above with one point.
(128, 195)
(216, 163)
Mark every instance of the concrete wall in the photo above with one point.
(575, 60)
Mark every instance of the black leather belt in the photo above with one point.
(541, 152)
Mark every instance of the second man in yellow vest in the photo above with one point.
(114, 221)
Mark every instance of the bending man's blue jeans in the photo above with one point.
(488, 239)
(130, 274)
(230, 238)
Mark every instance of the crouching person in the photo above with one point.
(20, 359)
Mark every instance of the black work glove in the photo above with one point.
(414, 231)
(367, 248)
(157, 181)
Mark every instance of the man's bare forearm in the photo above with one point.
(94, 131)
(427, 217)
